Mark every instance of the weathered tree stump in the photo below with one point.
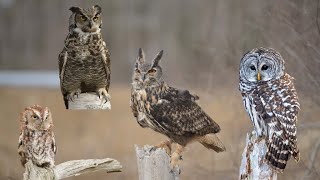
(70, 168)
(154, 164)
(253, 165)
(89, 101)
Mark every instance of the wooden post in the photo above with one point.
(253, 165)
(155, 164)
(70, 168)
(89, 101)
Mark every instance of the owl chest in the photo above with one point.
(143, 102)
(85, 67)
(39, 145)
(253, 108)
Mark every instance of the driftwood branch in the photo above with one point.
(89, 101)
(252, 163)
(155, 164)
(70, 168)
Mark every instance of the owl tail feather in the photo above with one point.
(211, 141)
(278, 154)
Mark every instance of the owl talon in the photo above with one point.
(166, 145)
(102, 93)
(175, 168)
(73, 94)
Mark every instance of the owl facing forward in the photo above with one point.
(271, 102)
(170, 111)
(36, 141)
(84, 63)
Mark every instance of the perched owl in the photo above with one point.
(271, 101)
(170, 111)
(36, 141)
(84, 63)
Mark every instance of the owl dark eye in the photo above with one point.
(83, 18)
(252, 67)
(264, 67)
(152, 71)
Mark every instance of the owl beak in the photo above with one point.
(90, 24)
(259, 76)
(143, 77)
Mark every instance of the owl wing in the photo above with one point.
(20, 142)
(21, 149)
(54, 145)
(63, 57)
(182, 116)
(105, 54)
(182, 94)
(279, 111)
(281, 106)
(133, 105)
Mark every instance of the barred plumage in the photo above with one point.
(272, 103)
(170, 111)
(36, 141)
(84, 63)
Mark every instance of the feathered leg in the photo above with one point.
(165, 145)
(176, 155)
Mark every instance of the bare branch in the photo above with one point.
(70, 168)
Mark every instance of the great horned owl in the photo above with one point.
(271, 101)
(170, 111)
(36, 141)
(84, 63)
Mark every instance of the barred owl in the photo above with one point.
(271, 101)
(36, 141)
(170, 111)
(84, 63)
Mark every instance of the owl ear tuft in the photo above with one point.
(98, 8)
(156, 60)
(75, 9)
(140, 58)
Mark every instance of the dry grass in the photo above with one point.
(100, 134)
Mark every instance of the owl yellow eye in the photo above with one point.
(95, 18)
(152, 71)
(34, 117)
(83, 18)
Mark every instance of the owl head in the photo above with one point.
(147, 74)
(261, 64)
(36, 118)
(85, 20)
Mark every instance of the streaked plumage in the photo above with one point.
(272, 104)
(170, 111)
(84, 63)
(36, 141)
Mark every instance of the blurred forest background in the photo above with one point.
(203, 42)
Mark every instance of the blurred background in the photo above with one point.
(203, 42)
